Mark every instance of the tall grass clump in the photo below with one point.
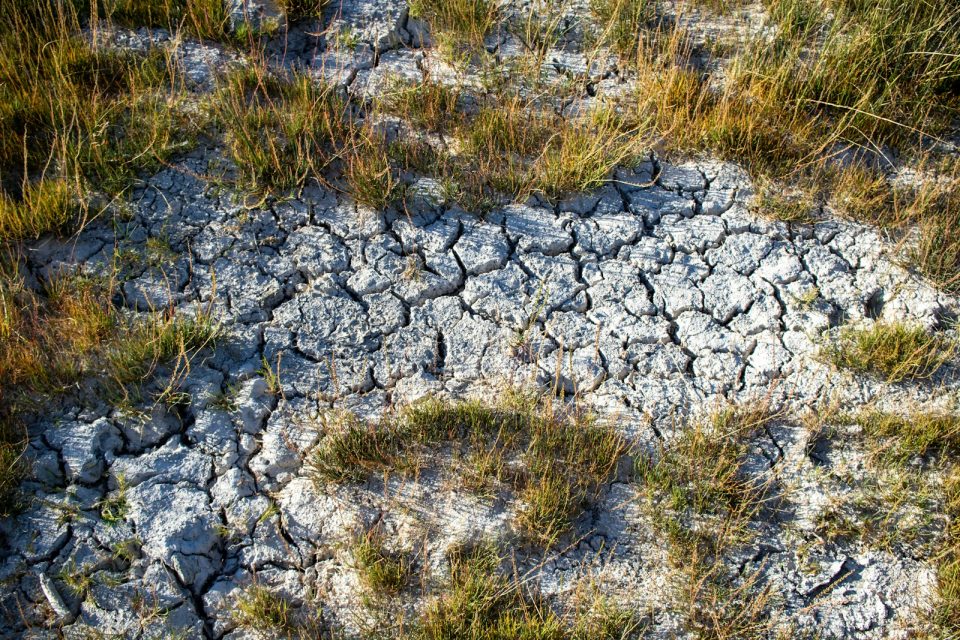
(278, 130)
(76, 111)
(860, 73)
(623, 22)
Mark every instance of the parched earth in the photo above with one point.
(654, 297)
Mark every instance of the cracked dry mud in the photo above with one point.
(649, 298)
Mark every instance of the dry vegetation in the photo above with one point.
(78, 123)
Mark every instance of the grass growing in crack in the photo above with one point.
(381, 571)
(893, 351)
(565, 459)
(113, 508)
(298, 9)
(702, 496)
(260, 610)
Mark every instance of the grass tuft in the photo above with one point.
(47, 206)
(260, 610)
(893, 351)
(381, 571)
(460, 26)
(481, 602)
(278, 131)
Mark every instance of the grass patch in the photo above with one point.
(892, 351)
(278, 131)
(562, 460)
(905, 498)
(512, 147)
(67, 335)
(13, 467)
(827, 79)
(427, 105)
(69, 110)
(370, 175)
(702, 496)
(459, 26)
(481, 602)
(47, 206)
(920, 434)
(947, 614)
(623, 22)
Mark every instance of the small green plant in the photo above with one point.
(893, 351)
(272, 511)
(260, 610)
(113, 508)
(808, 297)
(226, 399)
(77, 579)
(381, 571)
(271, 375)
